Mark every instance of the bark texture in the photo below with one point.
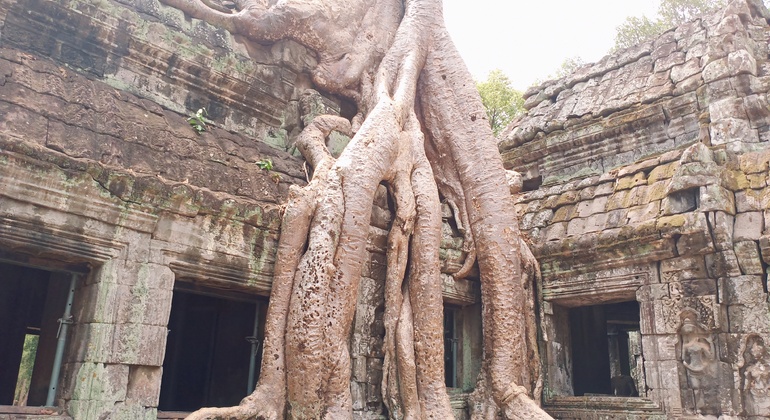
(424, 134)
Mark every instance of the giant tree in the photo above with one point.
(421, 130)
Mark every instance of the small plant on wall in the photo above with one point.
(198, 120)
(266, 164)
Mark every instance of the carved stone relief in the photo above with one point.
(755, 376)
(699, 358)
(672, 309)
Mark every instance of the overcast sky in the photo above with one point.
(529, 39)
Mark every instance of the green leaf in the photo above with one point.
(266, 164)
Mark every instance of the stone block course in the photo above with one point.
(748, 200)
(728, 108)
(732, 130)
(748, 226)
(757, 181)
(757, 110)
(755, 162)
(121, 129)
(750, 318)
(695, 239)
(722, 264)
(564, 213)
(764, 245)
(747, 290)
(683, 268)
(643, 213)
(139, 344)
(589, 207)
(767, 222)
(637, 196)
(749, 261)
(716, 198)
(722, 227)
(143, 386)
(92, 342)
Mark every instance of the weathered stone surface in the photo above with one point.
(764, 245)
(683, 268)
(746, 290)
(747, 201)
(716, 198)
(749, 318)
(124, 134)
(699, 179)
(722, 228)
(722, 264)
(748, 226)
(731, 130)
(749, 260)
(144, 385)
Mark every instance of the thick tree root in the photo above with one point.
(424, 134)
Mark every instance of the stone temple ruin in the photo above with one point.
(133, 249)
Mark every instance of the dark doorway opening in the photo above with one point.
(605, 349)
(451, 342)
(211, 351)
(32, 302)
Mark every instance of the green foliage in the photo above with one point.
(636, 30)
(568, 66)
(502, 102)
(266, 164)
(671, 13)
(25, 369)
(677, 12)
(198, 120)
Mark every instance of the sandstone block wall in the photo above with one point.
(650, 172)
(101, 175)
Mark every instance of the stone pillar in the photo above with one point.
(115, 357)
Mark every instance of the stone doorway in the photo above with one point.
(213, 352)
(606, 349)
(32, 304)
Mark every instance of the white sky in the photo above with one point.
(529, 39)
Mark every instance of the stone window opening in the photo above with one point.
(35, 314)
(214, 349)
(606, 350)
(462, 346)
(532, 184)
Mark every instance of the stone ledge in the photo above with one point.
(602, 407)
(461, 292)
(119, 192)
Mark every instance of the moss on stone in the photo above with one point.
(662, 172)
(674, 221)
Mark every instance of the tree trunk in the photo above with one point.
(424, 134)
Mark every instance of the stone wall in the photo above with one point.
(101, 175)
(648, 176)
